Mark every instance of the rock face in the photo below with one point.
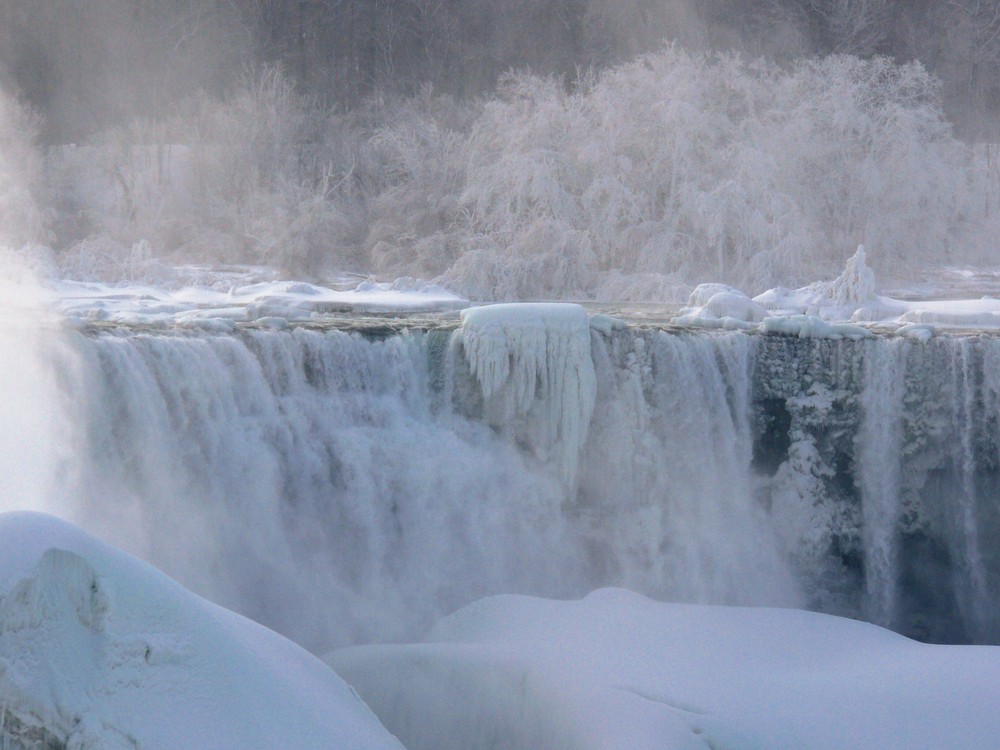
(892, 447)
(17, 734)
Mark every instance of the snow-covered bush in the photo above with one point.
(255, 177)
(714, 167)
(416, 226)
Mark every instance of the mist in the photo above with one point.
(35, 357)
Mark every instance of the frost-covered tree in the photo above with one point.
(712, 167)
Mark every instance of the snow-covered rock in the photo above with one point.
(617, 670)
(100, 651)
(720, 306)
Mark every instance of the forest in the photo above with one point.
(525, 149)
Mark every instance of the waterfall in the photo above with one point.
(345, 487)
(880, 457)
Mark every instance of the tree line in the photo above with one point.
(88, 65)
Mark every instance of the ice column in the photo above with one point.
(534, 367)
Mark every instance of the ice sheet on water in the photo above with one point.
(210, 305)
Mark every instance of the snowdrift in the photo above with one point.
(617, 670)
(101, 651)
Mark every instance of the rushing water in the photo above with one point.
(345, 488)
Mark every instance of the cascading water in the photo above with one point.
(344, 488)
(879, 464)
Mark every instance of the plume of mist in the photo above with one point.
(33, 353)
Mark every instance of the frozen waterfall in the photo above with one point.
(345, 487)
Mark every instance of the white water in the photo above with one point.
(36, 367)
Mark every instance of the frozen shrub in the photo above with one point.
(632, 184)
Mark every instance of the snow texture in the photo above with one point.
(533, 361)
(99, 651)
(617, 670)
(216, 304)
(827, 309)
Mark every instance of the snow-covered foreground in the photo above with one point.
(99, 651)
(617, 670)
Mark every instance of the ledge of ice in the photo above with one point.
(100, 650)
(617, 670)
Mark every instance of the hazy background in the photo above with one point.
(530, 148)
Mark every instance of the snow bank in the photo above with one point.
(99, 650)
(220, 305)
(533, 365)
(720, 306)
(616, 670)
(825, 309)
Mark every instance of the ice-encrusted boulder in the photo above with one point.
(100, 651)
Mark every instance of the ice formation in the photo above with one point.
(842, 308)
(616, 670)
(100, 651)
(533, 363)
(856, 285)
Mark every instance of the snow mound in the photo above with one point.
(101, 651)
(720, 306)
(617, 670)
(534, 368)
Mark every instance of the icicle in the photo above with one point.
(534, 361)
